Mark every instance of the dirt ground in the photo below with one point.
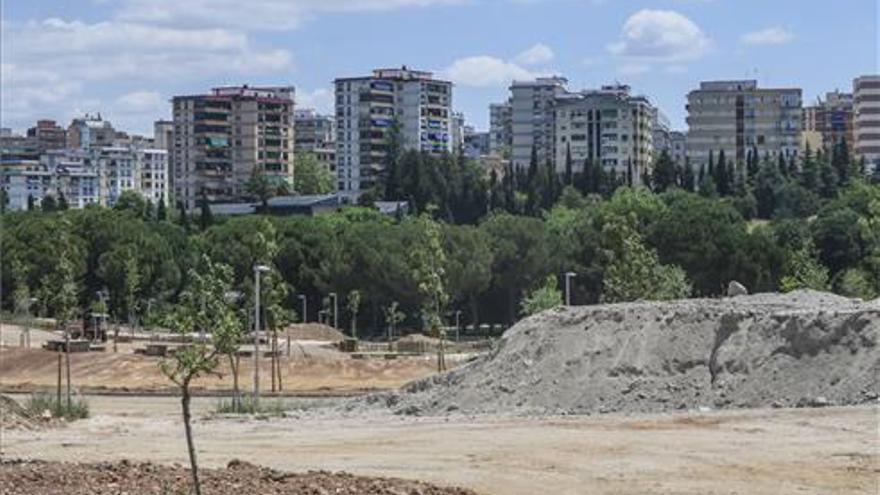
(311, 368)
(755, 452)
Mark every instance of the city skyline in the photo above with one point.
(127, 58)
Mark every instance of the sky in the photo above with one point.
(127, 58)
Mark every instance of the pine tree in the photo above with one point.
(30, 202)
(687, 176)
(664, 175)
(205, 216)
(48, 203)
(62, 202)
(569, 171)
(161, 214)
(722, 181)
(840, 161)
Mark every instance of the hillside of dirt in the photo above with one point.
(766, 350)
(308, 369)
(14, 417)
(312, 331)
(53, 478)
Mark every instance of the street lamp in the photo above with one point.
(335, 307)
(304, 318)
(568, 277)
(457, 325)
(257, 270)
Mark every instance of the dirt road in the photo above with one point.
(816, 451)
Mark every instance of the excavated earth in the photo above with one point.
(802, 349)
(239, 478)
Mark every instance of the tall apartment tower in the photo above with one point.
(609, 126)
(533, 121)
(866, 97)
(163, 134)
(501, 129)
(737, 116)
(224, 138)
(316, 134)
(831, 120)
(367, 108)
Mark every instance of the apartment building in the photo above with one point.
(48, 135)
(737, 116)
(678, 147)
(163, 134)
(88, 131)
(152, 171)
(609, 126)
(533, 118)
(316, 134)
(223, 138)
(866, 98)
(367, 108)
(829, 120)
(501, 129)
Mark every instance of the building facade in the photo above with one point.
(368, 108)
(738, 116)
(501, 129)
(866, 97)
(223, 139)
(163, 134)
(608, 126)
(533, 119)
(88, 131)
(831, 120)
(49, 135)
(316, 134)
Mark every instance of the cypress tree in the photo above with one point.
(161, 214)
(569, 171)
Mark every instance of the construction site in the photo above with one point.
(755, 394)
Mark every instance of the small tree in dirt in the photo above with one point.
(545, 297)
(354, 302)
(275, 291)
(428, 259)
(64, 297)
(204, 307)
(392, 317)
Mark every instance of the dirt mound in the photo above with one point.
(49, 478)
(313, 331)
(799, 349)
(14, 417)
(417, 338)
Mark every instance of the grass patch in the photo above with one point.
(38, 403)
(267, 407)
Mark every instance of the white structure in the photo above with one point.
(88, 131)
(501, 129)
(738, 116)
(152, 167)
(367, 108)
(866, 96)
(533, 118)
(608, 126)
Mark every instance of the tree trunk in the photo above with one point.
(67, 363)
(184, 402)
(274, 348)
(58, 390)
(280, 388)
(236, 396)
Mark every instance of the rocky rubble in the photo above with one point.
(239, 478)
(803, 349)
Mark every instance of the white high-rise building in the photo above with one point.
(533, 119)
(609, 126)
(501, 129)
(866, 97)
(368, 108)
(738, 116)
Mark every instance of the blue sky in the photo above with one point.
(126, 58)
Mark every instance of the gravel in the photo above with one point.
(239, 478)
(802, 349)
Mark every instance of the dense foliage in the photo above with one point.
(478, 243)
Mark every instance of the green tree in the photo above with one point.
(803, 271)
(855, 282)
(633, 271)
(664, 175)
(204, 308)
(161, 213)
(543, 298)
(48, 203)
(428, 261)
(133, 202)
(312, 176)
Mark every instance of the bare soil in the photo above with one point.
(52, 478)
(754, 452)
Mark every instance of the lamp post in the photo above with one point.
(31, 302)
(257, 270)
(568, 277)
(458, 325)
(335, 309)
(304, 317)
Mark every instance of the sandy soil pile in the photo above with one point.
(50, 478)
(313, 331)
(800, 349)
(14, 417)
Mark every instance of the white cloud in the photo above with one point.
(320, 99)
(485, 71)
(536, 55)
(770, 36)
(660, 36)
(141, 101)
(633, 69)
